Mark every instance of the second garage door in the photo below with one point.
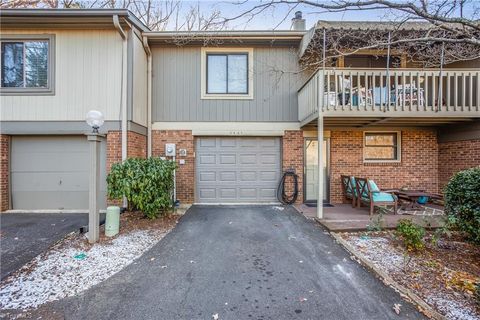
(52, 172)
(237, 169)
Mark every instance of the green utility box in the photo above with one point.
(112, 221)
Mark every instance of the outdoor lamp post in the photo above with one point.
(95, 120)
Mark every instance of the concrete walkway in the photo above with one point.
(342, 217)
(259, 262)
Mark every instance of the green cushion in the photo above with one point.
(382, 197)
(354, 184)
(373, 186)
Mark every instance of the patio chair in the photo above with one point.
(349, 188)
(370, 194)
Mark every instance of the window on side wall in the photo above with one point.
(382, 146)
(26, 65)
(226, 73)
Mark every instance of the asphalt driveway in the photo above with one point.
(23, 236)
(240, 263)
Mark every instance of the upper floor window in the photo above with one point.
(25, 65)
(381, 147)
(226, 73)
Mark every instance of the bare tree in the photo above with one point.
(430, 32)
(157, 15)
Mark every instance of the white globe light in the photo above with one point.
(94, 119)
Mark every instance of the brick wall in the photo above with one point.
(418, 168)
(4, 172)
(114, 148)
(292, 157)
(456, 156)
(186, 173)
(137, 145)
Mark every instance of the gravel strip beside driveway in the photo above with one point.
(245, 262)
(26, 235)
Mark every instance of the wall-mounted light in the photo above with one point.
(95, 120)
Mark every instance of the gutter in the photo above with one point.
(74, 13)
(294, 35)
(149, 95)
(123, 103)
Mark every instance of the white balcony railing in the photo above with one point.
(403, 92)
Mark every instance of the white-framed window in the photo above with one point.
(26, 64)
(382, 146)
(227, 73)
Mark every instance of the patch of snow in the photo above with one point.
(452, 309)
(380, 252)
(58, 274)
(387, 257)
(278, 208)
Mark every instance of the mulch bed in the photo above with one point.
(443, 274)
(135, 220)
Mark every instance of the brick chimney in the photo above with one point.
(298, 23)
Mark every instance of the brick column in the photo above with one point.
(292, 158)
(4, 172)
(114, 155)
(185, 175)
(114, 148)
(136, 145)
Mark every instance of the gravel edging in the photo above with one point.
(56, 273)
(388, 280)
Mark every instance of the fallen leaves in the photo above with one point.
(443, 276)
(462, 281)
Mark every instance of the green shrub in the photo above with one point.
(411, 234)
(146, 183)
(462, 202)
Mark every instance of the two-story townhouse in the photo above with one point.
(56, 65)
(239, 106)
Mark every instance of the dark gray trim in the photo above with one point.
(63, 127)
(138, 128)
(455, 132)
(227, 56)
(51, 66)
(65, 17)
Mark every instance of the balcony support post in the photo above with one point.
(320, 166)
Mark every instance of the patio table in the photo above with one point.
(410, 198)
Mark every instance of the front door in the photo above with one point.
(311, 169)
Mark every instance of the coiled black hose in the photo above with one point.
(281, 194)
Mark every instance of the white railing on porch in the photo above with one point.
(410, 92)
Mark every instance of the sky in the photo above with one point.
(274, 18)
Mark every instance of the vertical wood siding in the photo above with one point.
(139, 82)
(176, 87)
(88, 68)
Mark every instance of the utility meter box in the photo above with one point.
(170, 149)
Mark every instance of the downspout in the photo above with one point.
(149, 96)
(123, 103)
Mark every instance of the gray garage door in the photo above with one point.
(51, 172)
(237, 169)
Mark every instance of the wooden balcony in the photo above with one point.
(377, 96)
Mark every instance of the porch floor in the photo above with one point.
(342, 217)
